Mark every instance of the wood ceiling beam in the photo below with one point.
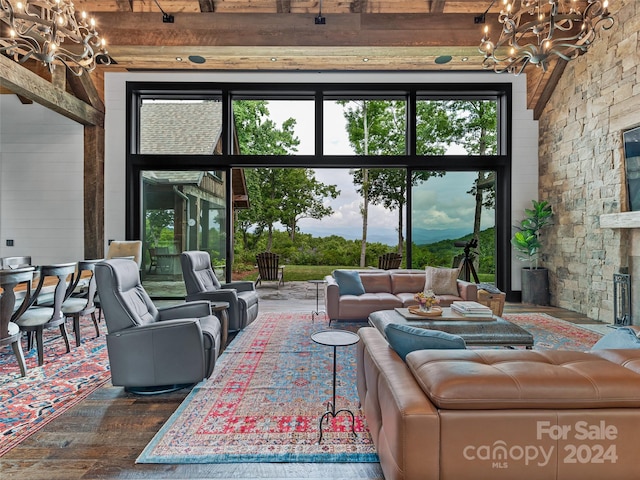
(23, 82)
(358, 29)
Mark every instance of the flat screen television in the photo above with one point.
(631, 140)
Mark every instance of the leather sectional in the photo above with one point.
(385, 290)
(501, 414)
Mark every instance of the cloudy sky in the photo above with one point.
(440, 203)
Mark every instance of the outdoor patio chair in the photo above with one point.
(389, 261)
(202, 284)
(269, 268)
(153, 350)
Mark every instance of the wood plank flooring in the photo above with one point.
(101, 437)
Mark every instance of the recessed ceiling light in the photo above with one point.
(465, 59)
(274, 59)
(196, 59)
(443, 59)
(365, 59)
(178, 59)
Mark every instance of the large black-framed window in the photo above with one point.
(317, 94)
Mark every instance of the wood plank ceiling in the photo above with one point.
(283, 35)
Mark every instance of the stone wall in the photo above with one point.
(582, 166)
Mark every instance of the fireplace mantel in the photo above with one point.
(620, 220)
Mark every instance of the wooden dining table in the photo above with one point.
(9, 331)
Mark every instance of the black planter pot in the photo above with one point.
(535, 286)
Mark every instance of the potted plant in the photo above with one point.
(526, 241)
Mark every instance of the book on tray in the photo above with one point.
(471, 309)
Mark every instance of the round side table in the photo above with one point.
(335, 339)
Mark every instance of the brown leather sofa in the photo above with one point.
(385, 290)
(501, 414)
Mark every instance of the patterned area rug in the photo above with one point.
(271, 386)
(551, 333)
(29, 403)
(264, 400)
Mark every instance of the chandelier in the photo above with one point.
(37, 29)
(538, 30)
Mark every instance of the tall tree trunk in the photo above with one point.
(400, 225)
(270, 238)
(365, 190)
(365, 216)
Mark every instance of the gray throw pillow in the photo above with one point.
(404, 339)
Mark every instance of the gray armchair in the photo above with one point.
(153, 350)
(202, 284)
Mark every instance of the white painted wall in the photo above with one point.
(41, 183)
(525, 129)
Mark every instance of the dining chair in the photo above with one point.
(15, 262)
(10, 332)
(78, 305)
(38, 317)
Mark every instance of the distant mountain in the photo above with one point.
(425, 236)
(421, 236)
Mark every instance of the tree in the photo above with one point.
(304, 198)
(385, 135)
(375, 127)
(476, 125)
(283, 195)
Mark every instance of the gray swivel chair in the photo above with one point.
(153, 350)
(202, 284)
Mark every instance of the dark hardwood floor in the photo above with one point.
(101, 437)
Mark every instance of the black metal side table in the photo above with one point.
(317, 311)
(335, 339)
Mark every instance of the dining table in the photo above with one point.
(10, 278)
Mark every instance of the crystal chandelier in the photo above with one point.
(538, 30)
(37, 29)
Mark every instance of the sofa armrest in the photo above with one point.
(468, 291)
(331, 297)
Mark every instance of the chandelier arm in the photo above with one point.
(39, 28)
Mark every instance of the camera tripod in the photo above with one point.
(467, 270)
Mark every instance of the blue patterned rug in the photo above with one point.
(271, 386)
(264, 401)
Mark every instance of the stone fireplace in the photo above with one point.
(630, 221)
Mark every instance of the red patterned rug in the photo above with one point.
(270, 388)
(29, 403)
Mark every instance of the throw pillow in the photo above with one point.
(442, 281)
(404, 339)
(349, 282)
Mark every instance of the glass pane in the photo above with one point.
(456, 127)
(183, 210)
(448, 211)
(275, 127)
(364, 127)
(181, 127)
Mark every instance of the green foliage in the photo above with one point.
(526, 240)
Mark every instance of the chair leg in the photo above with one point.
(63, 332)
(17, 350)
(76, 328)
(95, 323)
(40, 346)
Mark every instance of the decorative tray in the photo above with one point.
(434, 312)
